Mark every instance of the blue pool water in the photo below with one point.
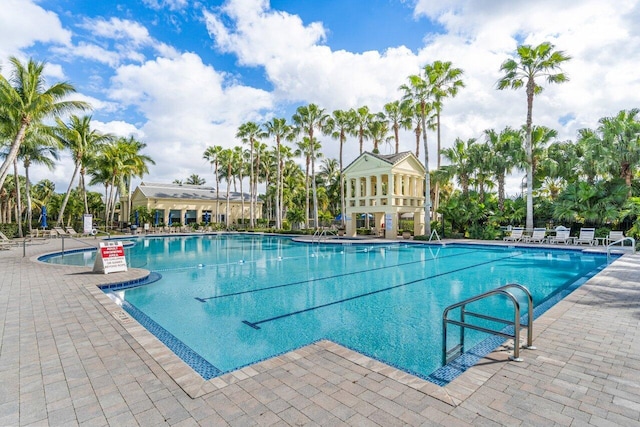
(227, 301)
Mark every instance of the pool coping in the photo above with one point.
(453, 394)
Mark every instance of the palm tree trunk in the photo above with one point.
(13, 152)
(427, 178)
(66, 197)
(27, 190)
(529, 154)
(251, 178)
(314, 189)
(278, 173)
(83, 188)
(217, 192)
(342, 204)
(306, 211)
(18, 201)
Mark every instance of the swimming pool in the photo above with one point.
(227, 301)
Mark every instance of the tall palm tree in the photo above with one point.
(338, 126)
(38, 147)
(239, 168)
(532, 63)
(278, 129)
(249, 133)
(418, 92)
(361, 118)
(378, 131)
(227, 161)
(26, 100)
(308, 119)
(82, 141)
(212, 155)
(445, 81)
(398, 116)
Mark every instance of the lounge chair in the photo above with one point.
(562, 236)
(5, 242)
(71, 231)
(516, 235)
(613, 236)
(586, 237)
(539, 236)
(60, 231)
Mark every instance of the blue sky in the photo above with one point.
(181, 75)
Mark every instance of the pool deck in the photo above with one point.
(69, 356)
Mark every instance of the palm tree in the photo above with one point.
(461, 165)
(82, 141)
(621, 139)
(379, 131)
(361, 118)
(418, 92)
(590, 150)
(227, 160)
(505, 149)
(445, 82)
(195, 179)
(249, 133)
(398, 116)
(26, 101)
(532, 63)
(279, 130)
(338, 126)
(307, 119)
(38, 147)
(212, 155)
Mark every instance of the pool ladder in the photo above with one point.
(619, 245)
(322, 233)
(450, 354)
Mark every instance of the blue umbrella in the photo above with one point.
(137, 216)
(339, 217)
(207, 217)
(170, 222)
(155, 220)
(44, 217)
(185, 218)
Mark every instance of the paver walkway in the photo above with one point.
(67, 358)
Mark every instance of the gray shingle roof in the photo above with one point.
(185, 191)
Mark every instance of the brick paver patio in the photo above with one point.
(69, 356)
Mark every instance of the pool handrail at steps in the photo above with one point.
(448, 355)
(620, 242)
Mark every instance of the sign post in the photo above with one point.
(110, 258)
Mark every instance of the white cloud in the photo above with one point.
(168, 4)
(23, 23)
(188, 106)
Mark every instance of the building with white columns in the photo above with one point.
(382, 188)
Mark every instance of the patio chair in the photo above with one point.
(539, 236)
(60, 231)
(614, 236)
(586, 237)
(71, 231)
(562, 236)
(5, 242)
(516, 235)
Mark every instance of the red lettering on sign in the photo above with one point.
(112, 251)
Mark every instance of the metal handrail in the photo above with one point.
(621, 241)
(516, 321)
(319, 233)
